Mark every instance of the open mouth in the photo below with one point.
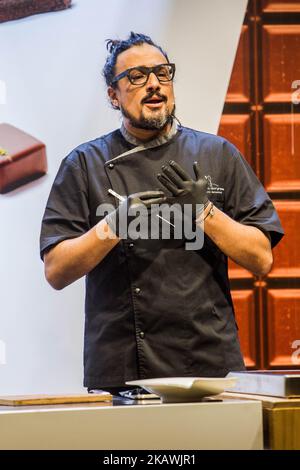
(154, 102)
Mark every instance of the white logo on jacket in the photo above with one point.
(213, 188)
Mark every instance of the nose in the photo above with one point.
(152, 82)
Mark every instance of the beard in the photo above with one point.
(156, 122)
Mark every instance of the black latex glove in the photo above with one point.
(127, 210)
(184, 189)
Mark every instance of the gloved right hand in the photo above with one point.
(119, 219)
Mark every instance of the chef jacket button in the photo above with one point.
(137, 290)
(142, 335)
(111, 165)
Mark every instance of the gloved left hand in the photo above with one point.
(184, 189)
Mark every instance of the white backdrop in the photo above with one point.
(50, 67)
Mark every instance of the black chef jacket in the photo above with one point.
(156, 309)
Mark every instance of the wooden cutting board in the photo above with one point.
(21, 400)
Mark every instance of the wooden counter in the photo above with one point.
(150, 425)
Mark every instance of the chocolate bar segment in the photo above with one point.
(22, 158)
(15, 9)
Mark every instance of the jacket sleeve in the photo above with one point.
(67, 210)
(246, 200)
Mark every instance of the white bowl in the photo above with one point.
(185, 389)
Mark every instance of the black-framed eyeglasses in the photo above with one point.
(140, 75)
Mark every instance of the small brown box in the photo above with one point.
(22, 158)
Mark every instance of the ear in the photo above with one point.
(113, 97)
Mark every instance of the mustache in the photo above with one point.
(157, 94)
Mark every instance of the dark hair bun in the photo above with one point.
(111, 44)
(116, 46)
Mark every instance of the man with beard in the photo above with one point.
(154, 308)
